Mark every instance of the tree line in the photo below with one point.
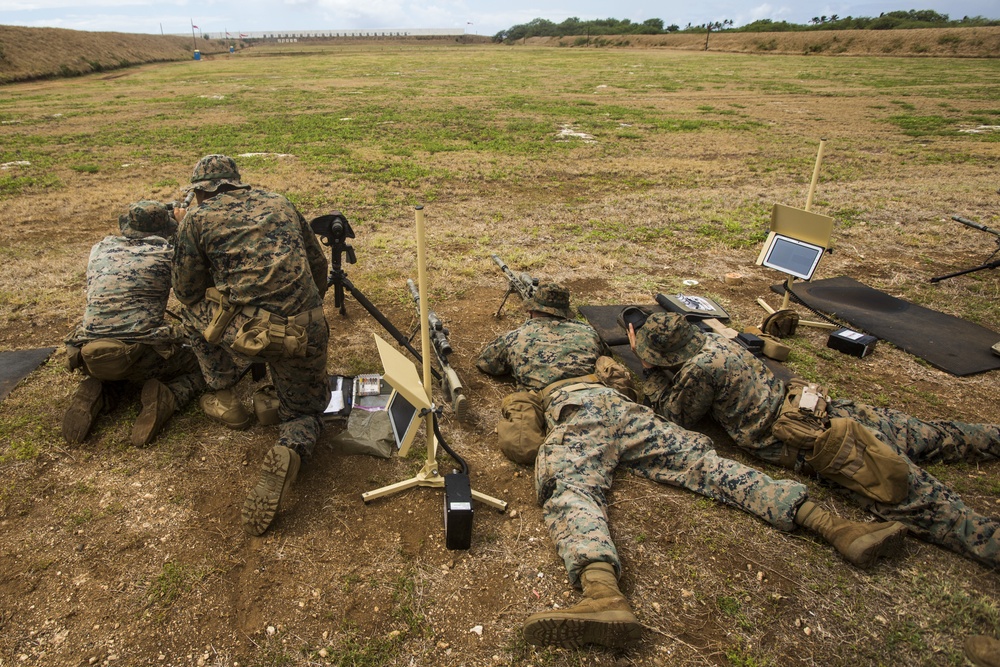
(898, 20)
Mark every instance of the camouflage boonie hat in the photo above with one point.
(147, 218)
(667, 339)
(551, 299)
(213, 171)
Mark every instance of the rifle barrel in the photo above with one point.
(975, 225)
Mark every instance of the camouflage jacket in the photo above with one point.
(128, 284)
(541, 351)
(725, 380)
(253, 246)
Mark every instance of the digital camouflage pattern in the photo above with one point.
(744, 398)
(128, 284)
(594, 430)
(542, 351)
(255, 247)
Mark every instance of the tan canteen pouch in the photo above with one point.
(521, 429)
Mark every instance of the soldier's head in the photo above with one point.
(213, 172)
(667, 339)
(147, 218)
(551, 299)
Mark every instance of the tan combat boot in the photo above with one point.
(223, 406)
(158, 405)
(859, 543)
(602, 617)
(87, 402)
(982, 651)
(277, 474)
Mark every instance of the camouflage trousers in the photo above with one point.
(302, 383)
(931, 510)
(179, 371)
(593, 431)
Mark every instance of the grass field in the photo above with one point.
(620, 172)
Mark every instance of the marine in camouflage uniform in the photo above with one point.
(696, 374)
(123, 337)
(591, 431)
(258, 252)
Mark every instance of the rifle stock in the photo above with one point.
(451, 384)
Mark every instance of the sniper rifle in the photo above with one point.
(520, 283)
(451, 384)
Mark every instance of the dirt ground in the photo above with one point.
(112, 555)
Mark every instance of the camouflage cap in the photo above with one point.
(667, 339)
(213, 171)
(552, 299)
(147, 218)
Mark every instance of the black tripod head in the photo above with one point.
(333, 231)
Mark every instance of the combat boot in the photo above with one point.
(602, 617)
(278, 472)
(860, 544)
(223, 406)
(158, 405)
(87, 403)
(982, 651)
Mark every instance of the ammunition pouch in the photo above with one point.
(840, 449)
(271, 337)
(521, 429)
(264, 335)
(109, 359)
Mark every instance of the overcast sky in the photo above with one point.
(483, 17)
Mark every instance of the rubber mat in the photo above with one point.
(946, 342)
(15, 366)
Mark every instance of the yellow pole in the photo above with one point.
(425, 337)
(812, 185)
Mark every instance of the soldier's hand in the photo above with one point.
(631, 336)
(179, 213)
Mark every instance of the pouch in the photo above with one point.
(850, 455)
(521, 429)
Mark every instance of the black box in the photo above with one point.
(755, 344)
(457, 511)
(851, 342)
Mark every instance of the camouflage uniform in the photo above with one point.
(128, 284)
(593, 429)
(723, 379)
(257, 250)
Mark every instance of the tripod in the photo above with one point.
(985, 265)
(333, 231)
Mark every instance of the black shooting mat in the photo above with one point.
(946, 342)
(15, 366)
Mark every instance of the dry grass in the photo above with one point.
(122, 555)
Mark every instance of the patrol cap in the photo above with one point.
(667, 339)
(552, 299)
(213, 171)
(147, 218)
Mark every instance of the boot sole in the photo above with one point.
(611, 628)
(869, 548)
(278, 472)
(157, 408)
(82, 411)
